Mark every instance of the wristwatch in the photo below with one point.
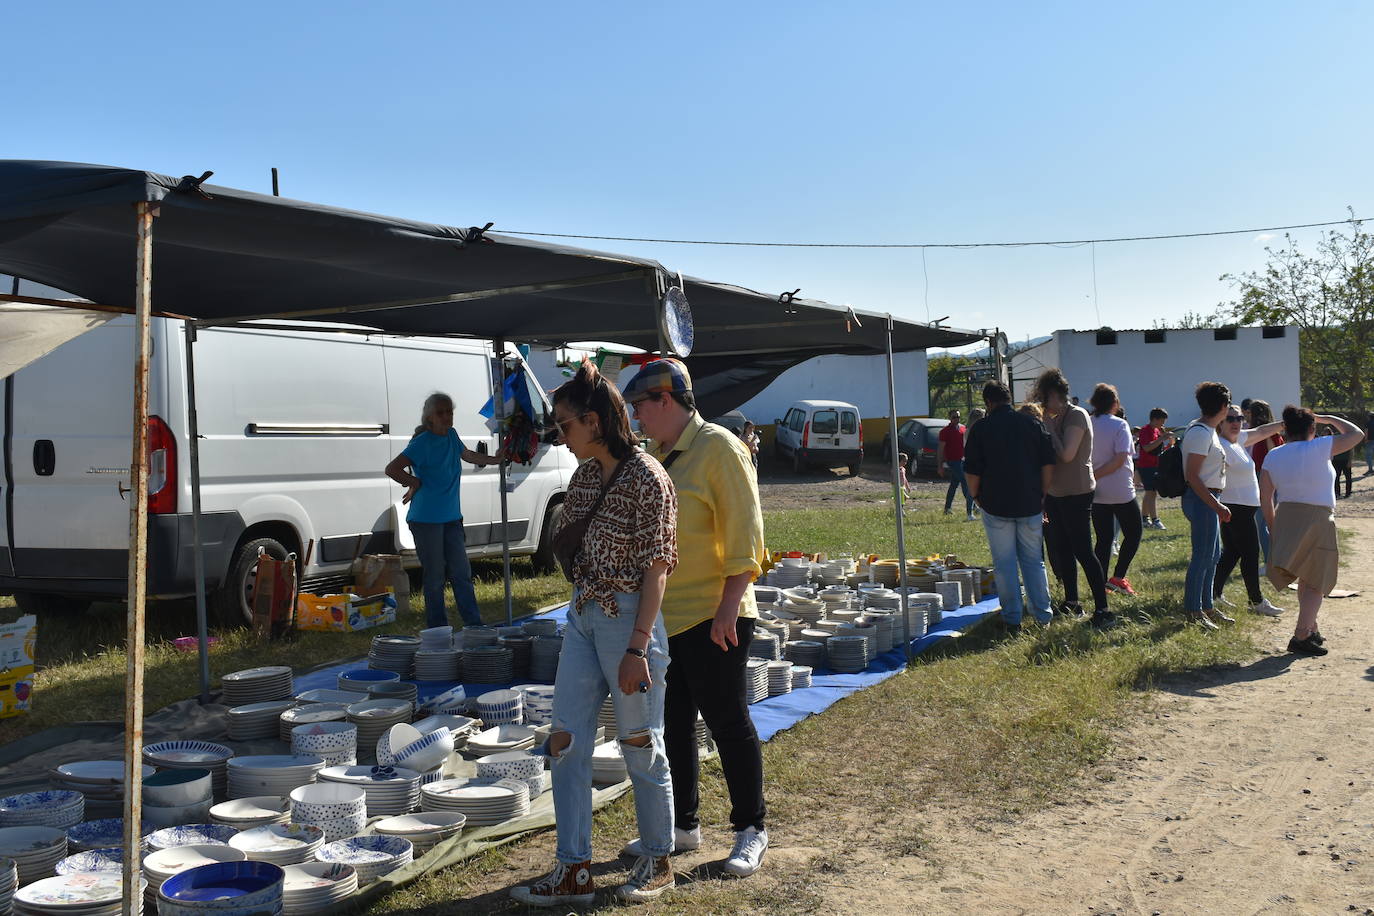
(637, 653)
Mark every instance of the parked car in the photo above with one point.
(823, 433)
(295, 426)
(918, 437)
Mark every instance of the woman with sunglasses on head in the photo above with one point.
(1204, 474)
(1240, 535)
(625, 506)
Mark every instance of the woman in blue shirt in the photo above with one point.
(436, 514)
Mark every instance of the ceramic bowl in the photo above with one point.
(510, 765)
(171, 788)
(341, 828)
(359, 679)
(324, 801)
(242, 886)
(428, 752)
(324, 738)
(393, 739)
(175, 815)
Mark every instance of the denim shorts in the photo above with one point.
(1148, 477)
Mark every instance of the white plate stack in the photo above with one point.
(870, 635)
(836, 598)
(280, 844)
(801, 676)
(501, 738)
(483, 805)
(544, 652)
(163, 864)
(884, 620)
(310, 714)
(605, 718)
(790, 572)
(949, 592)
(387, 790)
(52, 808)
(764, 645)
(488, 665)
(370, 856)
(83, 893)
(847, 654)
(256, 720)
(273, 774)
(313, 887)
(476, 637)
(173, 755)
(257, 685)
(35, 851)
(756, 679)
(100, 781)
(501, 707)
(254, 811)
(436, 638)
(336, 742)
(540, 626)
(521, 646)
(970, 584)
(374, 718)
(9, 883)
(779, 678)
(608, 764)
(438, 664)
(805, 652)
(394, 653)
(703, 734)
(538, 704)
(425, 830)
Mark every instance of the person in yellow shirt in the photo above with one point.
(708, 606)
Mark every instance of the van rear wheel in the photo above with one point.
(41, 604)
(230, 603)
(544, 560)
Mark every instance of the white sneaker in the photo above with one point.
(1223, 601)
(971, 517)
(683, 841)
(1159, 526)
(747, 856)
(1264, 607)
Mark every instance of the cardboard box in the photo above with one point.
(17, 641)
(344, 613)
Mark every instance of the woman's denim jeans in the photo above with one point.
(443, 556)
(588, 669)
(1016, 543)
(1202, 565)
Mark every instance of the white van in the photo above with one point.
(296, 427)
(824, 433)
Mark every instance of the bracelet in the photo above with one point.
(645, 632)
(637, 653)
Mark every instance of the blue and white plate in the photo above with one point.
(179, 753)
(111, 858)
(53, 808)
(101, 834)
(372, 856)
(191, 835)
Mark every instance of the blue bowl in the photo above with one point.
(236, 884)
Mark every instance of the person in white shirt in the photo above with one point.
(1204, 470)
(1303, 546)
(1240, 536)
(1114, 496)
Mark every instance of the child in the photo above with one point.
(902, 460)
(750, 437)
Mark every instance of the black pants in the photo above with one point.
(703, 678)
(1128, 514)
(1069, 540)
(1343, 469)
(1240, 541)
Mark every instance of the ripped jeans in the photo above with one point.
(588, 669)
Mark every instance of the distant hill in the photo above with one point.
(1016, 347)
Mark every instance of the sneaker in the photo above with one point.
(1070, 609)
(745, 859)
(1104, 620)
(1264, 607)
(649, 877)
(683, 841)
(971, 517)
(1159, 526)
(565, 884)
(1307, 646)
(1317, 638)
(1121, 584)
(1223, 601)
(1216, 614)
(1146, 522)
(1201, 620)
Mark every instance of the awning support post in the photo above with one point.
(138, 549)
(198, 549)
(499, 402)
(897, 504)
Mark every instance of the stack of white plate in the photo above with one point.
(869, 633)
(394, 653)
(327, 695)
(101, 781)
(337, 809)
(806, 609)
(280, 844)
(436, 638)
(779, 678)
(425, 830)
(790, 572)
(608, 764)
(703, 733)
(884, 620)
(488, 665)
(9, 883)
(801, 676)
(764, 645)
(336, 742)
(101, 834)
(310, 714)
(254, 811)
(544, 654)
(313, 887)
(815, 634)
(483, 804)
(437, 664)
(358, 680)
(847, 654)
(474, 637)
(949, 592)
(605, 717)
(35, 851)
(273, 774)
(53, 808)
(756, 679)
(970, 584)
(501, 707)
(833, 572)
(387, 790)
(836, 598)
(163, 864)
(372, 856)
(84, 893)
(397, 690)
(501, 738)
(173, 755)
(256, 720)
(538, 705)
(521, 647)
(257, 685)
(541, 626)
(374, 718)
(191, 835)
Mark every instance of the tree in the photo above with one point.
(1329, 295)
(947, 386)
(1192, 321)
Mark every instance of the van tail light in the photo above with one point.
(861, 435)
(162, 468)
(806, 433)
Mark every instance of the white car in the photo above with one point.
(824, 433)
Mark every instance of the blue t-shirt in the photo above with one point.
(438, 462)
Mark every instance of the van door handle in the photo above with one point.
(44, 458)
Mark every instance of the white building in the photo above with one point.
(1161, 368)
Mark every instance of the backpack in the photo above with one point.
(1171, 481)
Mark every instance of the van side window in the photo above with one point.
(849, 424)
(825, 423)
(796, 424)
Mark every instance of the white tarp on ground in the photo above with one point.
(29, 331)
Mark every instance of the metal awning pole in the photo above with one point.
(138, 549)
(198, 549)
(499, 401)
(897, 490)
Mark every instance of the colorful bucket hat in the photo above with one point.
(660, 376)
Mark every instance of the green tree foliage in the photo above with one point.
(948, 387)
(1329, 295)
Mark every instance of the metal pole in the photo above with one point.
(897, 490)
(138, 549)
(500, 403)
(198, 554)
(276, 188)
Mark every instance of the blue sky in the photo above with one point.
(871, 122)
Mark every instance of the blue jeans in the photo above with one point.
(1369, 456)
(1263, 527)
(444, 558)
(1016, 542)
(955, 471)
(1202, 565)
(588, 669)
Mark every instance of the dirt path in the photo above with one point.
(1248, 793)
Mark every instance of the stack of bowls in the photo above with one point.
(314, 887)
(34, 851)
(518, 765)
(521, 646)
(191, 835)
(174, 797)
(374, 718)
(779, 678)
(100, 781)
(336, 742)
(488, 665)
(387, 790)
(394, 653)
(540, 626)
(544, 654)
(474, 637)
(110, 858)
(9, 883)
(272, 774)
(101, 834)
(171, 755)
(460, 727)
(280, 844)
(85, 893)
(372, 856)
(327, 695)
(256, 720)
(312, 713)
(801, 676)
(538, 704)
(605, 718)
(425, 830)
(756, 679)
(357, 680)
(254, 811)
(501, 707)
(222, 888)
(257, 685)
(54, 808)
(165, 863)
(339, 810)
